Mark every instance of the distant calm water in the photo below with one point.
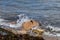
(47, 11)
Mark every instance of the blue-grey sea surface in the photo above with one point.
(46, 11)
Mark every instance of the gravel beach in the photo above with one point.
(51, 37)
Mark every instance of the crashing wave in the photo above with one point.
(22, 18)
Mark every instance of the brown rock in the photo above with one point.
(29, 24)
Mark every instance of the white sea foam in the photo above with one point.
(54, 32)
(22, 18)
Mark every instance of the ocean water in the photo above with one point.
(45, 11)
